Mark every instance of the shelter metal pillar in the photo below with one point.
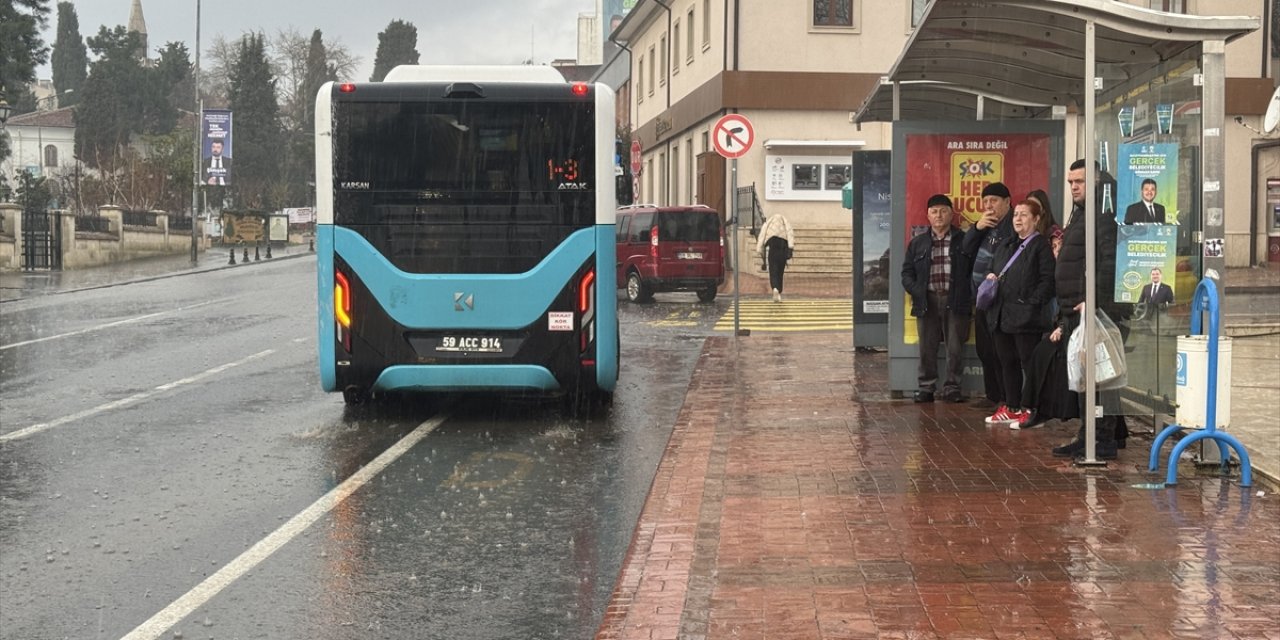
(1213, 147)
(1090, 233)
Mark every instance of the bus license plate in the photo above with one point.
(689, 256)
(470, 344)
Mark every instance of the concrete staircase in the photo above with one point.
(819, 250)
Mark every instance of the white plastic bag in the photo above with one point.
(1110, 370)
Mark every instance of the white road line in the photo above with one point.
(133, 399)
(108, 325)
(160, 623)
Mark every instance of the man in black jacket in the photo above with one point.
(1069, 282)
(993, 228)
(937, 275)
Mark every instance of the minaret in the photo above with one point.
(138, 25)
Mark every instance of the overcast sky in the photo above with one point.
(468, 32)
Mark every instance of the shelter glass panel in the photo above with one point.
(1148, 128)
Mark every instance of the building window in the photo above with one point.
(1168, 6)
(675, 174)
(706, 23)
(706, 141)
(688, 23)
(917, 11)
(690, 167)
(833, 13)
(662, 44)
(675, 45)
(50, 156)
(653, 63)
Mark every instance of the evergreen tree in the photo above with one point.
(396, 46)
(174, 76)
(21, 49)
(257, 134)
(114, 98)
(70, 57)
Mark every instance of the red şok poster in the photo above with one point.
(960, 165)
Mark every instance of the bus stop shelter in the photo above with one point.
(1118, 82)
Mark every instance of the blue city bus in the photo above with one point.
(465, 233)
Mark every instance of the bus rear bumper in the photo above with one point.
(465, 378)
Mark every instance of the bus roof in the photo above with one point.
(474, 73)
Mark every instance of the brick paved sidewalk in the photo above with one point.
(797, 500)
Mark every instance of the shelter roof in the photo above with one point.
(1026, 56)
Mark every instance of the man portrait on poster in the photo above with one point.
(217, 166)
(1146, 210)
(1156, 292)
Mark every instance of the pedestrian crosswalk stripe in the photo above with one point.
(790, 315)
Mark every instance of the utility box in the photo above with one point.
(1193, 382)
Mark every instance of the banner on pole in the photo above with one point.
(216, 152)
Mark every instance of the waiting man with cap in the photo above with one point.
(993, 228)
(937, 275)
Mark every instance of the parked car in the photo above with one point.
(670, 249)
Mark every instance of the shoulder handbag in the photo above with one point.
(989, 287)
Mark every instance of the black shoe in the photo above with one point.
(1069, 450)
(953, 396)
(1120, 443)
(923, 396)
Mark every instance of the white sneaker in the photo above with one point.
(777, 296)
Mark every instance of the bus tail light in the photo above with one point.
(653, 242)
(342, 308)
(580, 89)
(587, 309)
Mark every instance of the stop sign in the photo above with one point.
(635, 156)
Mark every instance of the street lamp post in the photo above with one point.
(195, 163)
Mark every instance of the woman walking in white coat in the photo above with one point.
(776, 243)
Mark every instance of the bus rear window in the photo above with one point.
(447, 149)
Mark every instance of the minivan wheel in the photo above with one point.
(636, 291)
(708, 294)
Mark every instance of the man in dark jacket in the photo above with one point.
(990, 231)
(937, 275)
(1069, 282)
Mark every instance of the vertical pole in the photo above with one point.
(195, 164)
(1090, 234)
(737, 251)
(1213, 155)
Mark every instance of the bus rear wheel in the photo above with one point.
(355, 395)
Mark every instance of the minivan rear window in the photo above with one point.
(688, 227)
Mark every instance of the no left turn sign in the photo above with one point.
(732, 135)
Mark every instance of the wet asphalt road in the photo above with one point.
(168, 460)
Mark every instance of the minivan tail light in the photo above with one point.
(653, 242)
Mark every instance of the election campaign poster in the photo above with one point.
(216, 153)
(872, 214)
(1147, 183)
(1146, 261)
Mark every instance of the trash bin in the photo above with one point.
(1193, 382)
(1273, 246)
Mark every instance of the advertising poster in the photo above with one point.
(872, 218)
(1146, 260)
(216, 152)
(1143, 171)
(961, 165)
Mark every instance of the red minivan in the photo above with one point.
(670, 249)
